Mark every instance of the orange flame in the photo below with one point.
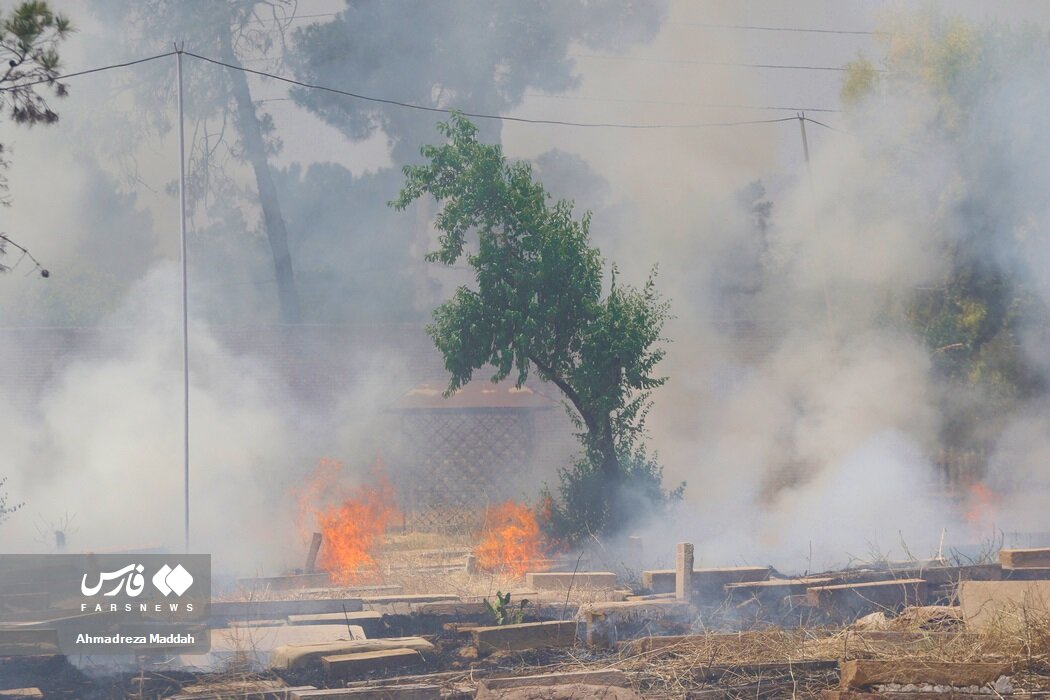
(982, 504)
(351, 520)
(510, 540)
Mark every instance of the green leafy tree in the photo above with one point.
(974, 317)
(29, 38)
(228, 129)
(540, 305)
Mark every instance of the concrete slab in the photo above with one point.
(529, 635)
(1006, 604)
(420, 691)
(605, 677)
(663, 580)
(304, 655)
(607, 623)
(286, 582)
(853, 599)
(275, 609)
(241, 690)
(863, 673)
(370, 621)
(569, 691)
(561, 581)
(255, 646)
(341, 667)
(1024, 558)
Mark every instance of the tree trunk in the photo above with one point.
(273, 220)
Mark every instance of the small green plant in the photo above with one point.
(503, 613)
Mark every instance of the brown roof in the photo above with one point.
(476, 395)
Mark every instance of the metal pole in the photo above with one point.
(185, 312)
(813, 205)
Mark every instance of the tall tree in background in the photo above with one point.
(974, 79)
(217, 98)
(29, 38)
(464, 54)
(539, 305)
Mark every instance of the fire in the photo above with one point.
(982, 504)
(510, 540)
(351, 520)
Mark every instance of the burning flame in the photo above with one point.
(510, 540)
(981, 504)
(351, 520)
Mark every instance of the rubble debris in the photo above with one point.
(580, 580)
(1024, 558)
(303, 655)
(865, 673)
(340, 667)
(527, 635)
(1004, 604)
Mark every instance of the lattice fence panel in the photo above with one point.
(461, 462)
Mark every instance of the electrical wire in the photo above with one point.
(479, 115)
(25, 254)
(89, 71)
(727, 64)
(808, 30)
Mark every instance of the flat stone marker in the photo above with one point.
(1024, 558)
(568, 691)
(303, 655)
(528, 635)
(606, 677)
(420, 691)
(256, 645)
(862, 673)
(663, 580)
(851, 599)
(560, 581)
(278, 609)
(242, 690)
(1005, 604)
(341, 667)
(370, 621)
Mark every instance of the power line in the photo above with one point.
(807, 30)
(89, 71)
(588, 98)
(725, 64)
(440, 110)
(478, 115)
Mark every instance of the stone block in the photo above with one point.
(528, 635)
(341, 667)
